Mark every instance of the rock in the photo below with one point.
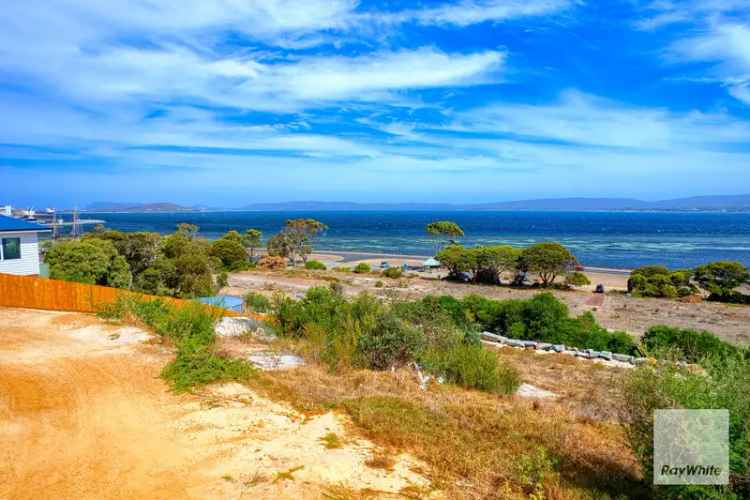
(625, 358)
(493, 337)
(558, 347)
(236, 326)
(530, 391)
(529, 343)
(273, 361)
(515, 343)
(544, 346)
(606, 355)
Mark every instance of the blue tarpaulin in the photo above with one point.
(224, 301)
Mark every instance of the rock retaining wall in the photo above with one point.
(625, 360)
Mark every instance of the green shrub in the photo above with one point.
(658, 281)
(191, 329)
(379, 284)
(315, 265)
(545, 319)
(473, 367)
(391, 342)
(726, 384)
(577, 279)
(690, 345)
(362, 268)
(257, 302)
(393, 272)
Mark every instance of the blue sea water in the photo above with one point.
(603, 239)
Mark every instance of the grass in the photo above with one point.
(190, 328)
(475, 444)
(331, 441)
(287, 475)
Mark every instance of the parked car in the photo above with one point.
(599, 288)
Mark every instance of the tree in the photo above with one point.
(457, 259)
(721, 278)
(445, 229)
(194, 273)
(140, 249)
(189, 230)
(229, 250)
(91, 261)
(252, 240)
(548, 260)
(295, 240)
(279, 246)
(492, 261)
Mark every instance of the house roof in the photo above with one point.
(10, 224)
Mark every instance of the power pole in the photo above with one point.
(75, 230)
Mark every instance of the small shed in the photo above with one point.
(229, 302)
(19, 246)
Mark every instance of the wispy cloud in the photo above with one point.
(720, 36)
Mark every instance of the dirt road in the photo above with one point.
(84, 414)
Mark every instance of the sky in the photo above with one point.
(230, 102)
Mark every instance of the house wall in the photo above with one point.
(28, 264)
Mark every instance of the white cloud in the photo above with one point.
(590, 120)
(469, 12)
(721, 36)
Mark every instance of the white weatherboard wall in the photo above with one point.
(28, 264)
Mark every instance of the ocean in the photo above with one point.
(620, 240)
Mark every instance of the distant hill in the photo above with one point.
(566, 204)
(345, 205)
(730, 203)
(107, 206)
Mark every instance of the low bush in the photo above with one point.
(368, 333)
(690, 345)
(361, 268)
(725, 384)
(473, 367)
(393, 272)
(577, 279)
(391, 342)
(315, 265)
(658, 281)
(257, 302)
(191, 328)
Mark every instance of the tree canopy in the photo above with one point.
(721, 278)
(548, 260)
(295, 239)
(91, 261)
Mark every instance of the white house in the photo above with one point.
(19, 246)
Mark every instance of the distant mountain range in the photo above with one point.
(739, 203)
(108, 206)
(731, 202)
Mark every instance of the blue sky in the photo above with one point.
(232, 102)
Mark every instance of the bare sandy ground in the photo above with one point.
(84, 414)
(616, 311)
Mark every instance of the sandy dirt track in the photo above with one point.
(84, 414)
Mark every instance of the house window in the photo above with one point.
(11, 248)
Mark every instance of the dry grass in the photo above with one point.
(477, 445)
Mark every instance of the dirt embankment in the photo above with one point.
(84, 414)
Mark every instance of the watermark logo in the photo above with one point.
(691, 447)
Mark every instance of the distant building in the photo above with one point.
(19, 246)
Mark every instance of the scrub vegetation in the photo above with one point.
(190, 328)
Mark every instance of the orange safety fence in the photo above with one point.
(33, 292)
